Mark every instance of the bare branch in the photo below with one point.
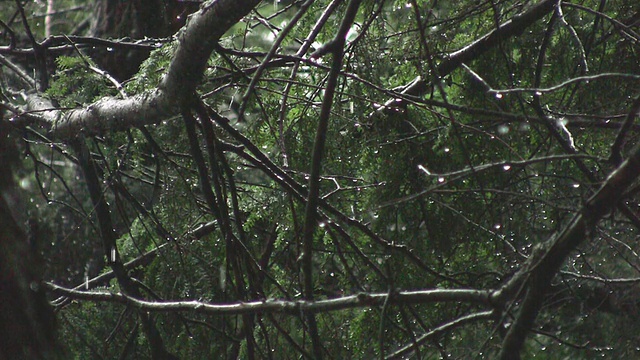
(403, 352)
(294, 307)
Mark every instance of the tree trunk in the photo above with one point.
(135, 20)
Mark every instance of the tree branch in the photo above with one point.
(511, 28)
(406, 350)
(293, 307)
(310, 217)
(196, 42)
(539, 272)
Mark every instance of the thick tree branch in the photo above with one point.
(196, 43)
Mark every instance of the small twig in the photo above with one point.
(41, 64)
(99, 71)
(578, 79)
(16, 69)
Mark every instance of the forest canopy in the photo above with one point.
(388, 179)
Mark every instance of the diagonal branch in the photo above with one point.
(109, 237)
(539, 272)
(510, 28)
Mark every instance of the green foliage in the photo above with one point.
(152, 69)
(438, 192)
(76, 82)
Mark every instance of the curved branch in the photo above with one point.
(408, 349)
(196, 43)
